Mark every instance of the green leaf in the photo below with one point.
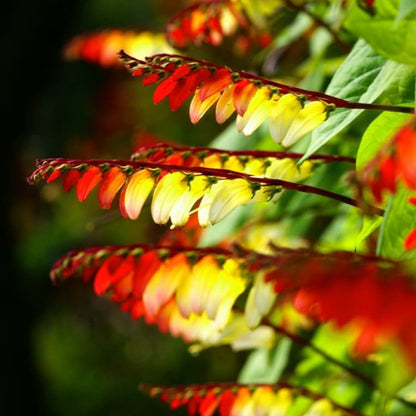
(399, 220)
(378, 132)
(265, 366)
(362, 77)
(370, 224)
(405, 7)
(391, 31)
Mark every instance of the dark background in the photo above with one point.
(64, 351)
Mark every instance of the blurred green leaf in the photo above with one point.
(391, 31)
(378, 132)
(399, 220)
(265, 366)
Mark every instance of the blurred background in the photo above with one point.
(63, 350)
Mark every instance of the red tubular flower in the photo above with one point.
(394, 163)
(111, 183)
(410, 240)
(87, 182)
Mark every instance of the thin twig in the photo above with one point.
(318, 21)
(365, 379)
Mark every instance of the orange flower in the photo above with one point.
(135, 193)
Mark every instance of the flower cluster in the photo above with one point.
(238, 399)
(101, 47)
(254, 99)
(394, 163)
(215, 296)
(188, 293)
(213, 185)
(373, 295)
(211, 21)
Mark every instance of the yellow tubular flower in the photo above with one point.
(225, 105)
(192, 295)
(138, 188)
(282, 116)
(255, 167)
(222, 198)
(198, 108)
(287, 170)
(310, 117)
(228, 21)
(164, 283)
(261, 337)
(259, 109)
(234, 163)
(181, 209)
(169, 189)
(322, 407)
(223, 294)
(260, 301)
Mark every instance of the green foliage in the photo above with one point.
(400, 43)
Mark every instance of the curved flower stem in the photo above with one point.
(255, 153)
(318, 21)
(362, 377)
(310, 95)
(154, 390)
(214, 172)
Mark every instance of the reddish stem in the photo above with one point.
(222, 173)
(310, 95)
(254, 153)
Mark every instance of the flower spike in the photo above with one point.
(253, 98)
(228, 399)
(210, 21)
(192, 293)
(101, 47)
(177, 189)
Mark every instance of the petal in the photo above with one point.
(229, 195)
(225, 105)
(87, 182)
(192, 295)
(164, 89)
(410, 241)
(112, 181)
(406, 154)
(244, 91)
(134, 194)
(198, 107)
(168, 190)
(220, 80)
(310, 117)
(105, 276)
(258, 116)
(180, 211)
(70, 179)
(146, 266)
(164, 283)
(281, 117)
(186, 87)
